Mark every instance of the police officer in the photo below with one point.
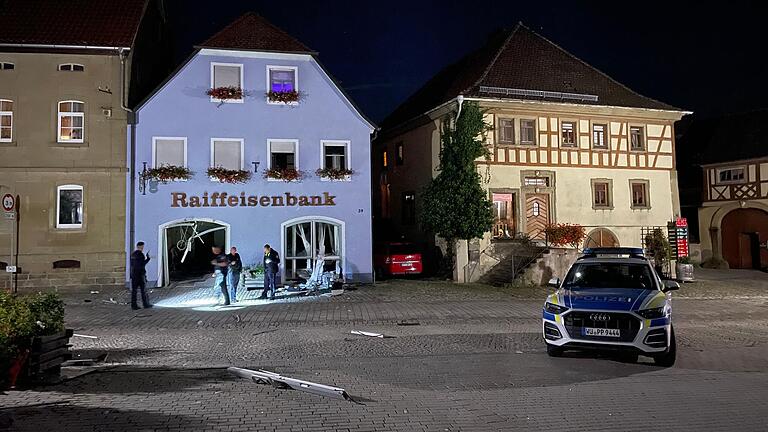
(139, 276)
(271, 266)
(233, 277)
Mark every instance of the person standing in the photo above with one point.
(271, 267)
(220, 270)
(139, 276)
(233, 277)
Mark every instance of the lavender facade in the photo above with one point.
(251, 101)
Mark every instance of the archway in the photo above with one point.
(744, 230)
(306, 238)
(601, 237)
(184, 247)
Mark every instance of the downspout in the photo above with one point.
(132, 157)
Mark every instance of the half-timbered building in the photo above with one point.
(569, 145)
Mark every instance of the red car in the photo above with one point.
(396, 259)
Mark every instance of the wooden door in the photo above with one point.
(745, 251)
(536, 215)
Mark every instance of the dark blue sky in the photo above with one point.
(706, 58)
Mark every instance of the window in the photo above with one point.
(169, 151)
(282, 78)
(527, 131)
(568, 134)
(227, 153)
(226, 75)
(399, 160)
(731, 175)
(283, 154)
(636, 140)
(335, 154)
(408, 210)
(6, 120)
(601, 194)
(639, 190)
(598, 136)
(536, 208)
(306, 240)
(71, 67)
(506, 131)
(7, 66)
(71, 121)
(69, 206)
(384, 158)
(536, 181)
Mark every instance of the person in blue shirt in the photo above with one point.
(139, 276)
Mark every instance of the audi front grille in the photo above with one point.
(627, 324)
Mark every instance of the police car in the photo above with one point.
(611, 298)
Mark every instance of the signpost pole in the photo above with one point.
(17, 221)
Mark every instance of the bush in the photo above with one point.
(565, 234)
(21, 319)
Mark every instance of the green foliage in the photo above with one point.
(255, 271)
(658, 247)
(22, 318)
(454, 204)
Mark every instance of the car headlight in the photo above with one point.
(652, 313)
(554, 309)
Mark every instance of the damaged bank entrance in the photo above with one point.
(185, 248)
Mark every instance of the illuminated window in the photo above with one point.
(384, 159)
(536, 208)
(6, 120)
(536, 181)
(399, 160)
(71, 121)
(568, 134)
(69, 206)
(282, 79)
(598, 136)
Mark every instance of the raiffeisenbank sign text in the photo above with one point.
(222, 199)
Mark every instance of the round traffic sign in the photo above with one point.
(9, 203)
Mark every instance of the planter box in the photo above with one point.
(46, 356)
(684, 272)
(254, 284)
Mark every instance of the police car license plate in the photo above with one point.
(588, 331)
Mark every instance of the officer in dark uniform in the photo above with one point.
(220, 267)
(139, 276)
(271, 267)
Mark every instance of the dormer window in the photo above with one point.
(71, 67)
(7, 66)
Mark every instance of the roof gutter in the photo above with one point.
(47, 46)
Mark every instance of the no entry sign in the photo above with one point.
(9, 203)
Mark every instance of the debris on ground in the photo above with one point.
(86, 361)
(279, 381)
(94, 292)
(369, 334)
(408, 323)
(84, 336)
(111, 300)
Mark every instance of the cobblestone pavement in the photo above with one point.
(474, 362)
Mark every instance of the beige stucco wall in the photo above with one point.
(34, 164)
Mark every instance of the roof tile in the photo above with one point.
(107, 23)
(252, 32)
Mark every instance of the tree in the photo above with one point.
(454, 205)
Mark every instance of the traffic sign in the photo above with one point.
(9, 203)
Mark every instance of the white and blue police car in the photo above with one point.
(612, 299)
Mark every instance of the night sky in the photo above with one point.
(707, 59)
